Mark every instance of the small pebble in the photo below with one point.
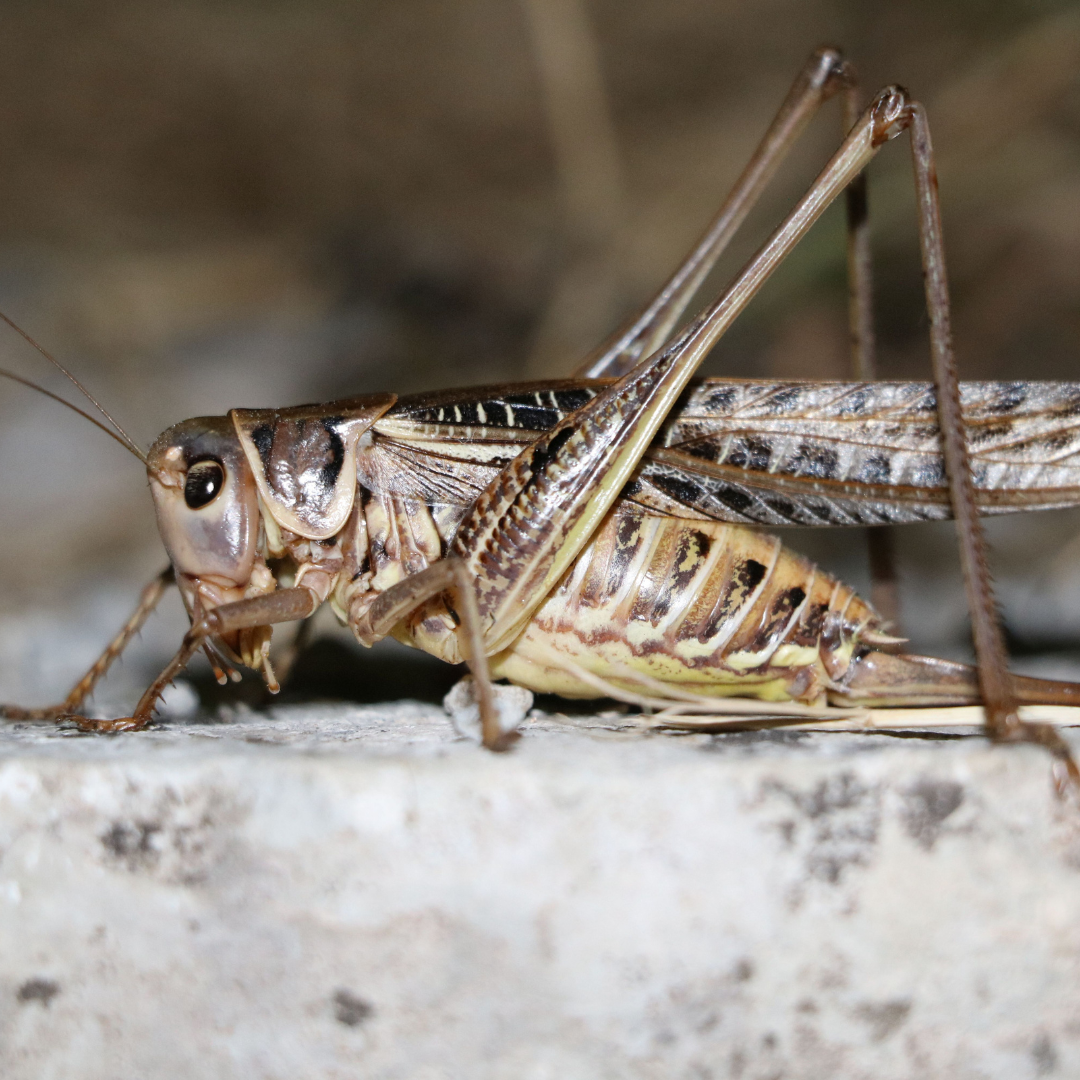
(512, 703)
(179, 702)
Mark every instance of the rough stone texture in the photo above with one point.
(341, 891)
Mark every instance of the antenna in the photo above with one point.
(74, 408)
(122, 437)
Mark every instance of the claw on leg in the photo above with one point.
(17, 712)
(1066, 773)
(123, 723)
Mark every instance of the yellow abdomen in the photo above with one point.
(714, 609)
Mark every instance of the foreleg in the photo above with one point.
(285, 605)
(148, 601)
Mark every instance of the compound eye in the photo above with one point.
(204, 480)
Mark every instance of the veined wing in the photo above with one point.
(445, 447)
(767, 452)
(817, 453)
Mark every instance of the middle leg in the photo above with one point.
(447, 576)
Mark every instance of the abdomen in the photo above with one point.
(711, 608)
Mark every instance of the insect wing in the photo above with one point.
(446, 447)
(766, 452)
(804, 453)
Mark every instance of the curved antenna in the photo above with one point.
(130, 447)
(122, 434)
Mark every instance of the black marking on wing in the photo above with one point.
(876, 469)
(1010, 397)
(528, 406)
(679, 487)
(745, 452)
(814, 460)
(733, 498)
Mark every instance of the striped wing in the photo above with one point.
(445, 448)
(768, 453)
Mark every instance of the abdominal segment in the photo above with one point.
(700, 606)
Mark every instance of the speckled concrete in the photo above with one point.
(346, 892)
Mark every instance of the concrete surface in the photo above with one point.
(342, 891)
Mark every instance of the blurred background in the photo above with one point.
(216, 204)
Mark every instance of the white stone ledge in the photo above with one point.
(348, 892)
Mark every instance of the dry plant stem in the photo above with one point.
(578, 115)
(825, 73)
(884, 590)
(148, 601)
(586, 294)
(1002, 720)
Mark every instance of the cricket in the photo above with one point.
(601, 536)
